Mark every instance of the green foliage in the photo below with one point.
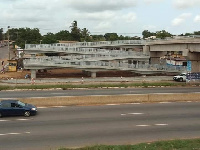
(163, 34)
(147, 34)
(96, 38)
(111, 36)
(49, 38)
(197, 33)
(190, 34)
(160, 145)
(85, 35)
(159, 34)
(24, 35)
(1, 34)
(33, 36)
(121, 37)
(75, 32)
(63, 35)
(69, 86)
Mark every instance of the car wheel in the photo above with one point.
(181, 79)
(27, 113)
(0, 115)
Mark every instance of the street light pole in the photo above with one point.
(8, 44)
(25, 44)
(40, 43)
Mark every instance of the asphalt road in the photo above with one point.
(84, 92)
(80, 126)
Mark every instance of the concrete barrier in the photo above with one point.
(116, 99)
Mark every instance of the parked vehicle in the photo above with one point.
(181, 77)
(16, 108)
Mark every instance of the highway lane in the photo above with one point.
(88, 125)
(84, 92)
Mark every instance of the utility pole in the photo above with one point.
(8, 44)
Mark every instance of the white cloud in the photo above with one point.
(150, 27)
(130, 17)
(183, 4)
(96, 16)
(197, 19)
(152, 1)
(103, 26)
(100, 5)
(181, 19)
(101, 15)
(27, 4)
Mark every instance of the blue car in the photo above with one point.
(16, 108)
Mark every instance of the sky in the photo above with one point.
(124, 17)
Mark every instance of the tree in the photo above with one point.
(147, 34)
(24, 35)
(49, 38)
(1, 34)
(96, 38)
(63, 35)
(197, 33)
(85, 35)
(111, 36)
(75, 32)
(163, 34)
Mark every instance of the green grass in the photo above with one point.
(69, 86)
(193, 144)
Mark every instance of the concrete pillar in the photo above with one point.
(195, 66)
(33, 73)
(195, 61)
(146, 50)
(93, 74)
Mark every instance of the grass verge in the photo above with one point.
(70, 86)
(192, 144)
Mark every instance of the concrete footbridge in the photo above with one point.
(140, 56)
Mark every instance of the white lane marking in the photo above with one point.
(132, 103)
(22, 119)
(135, 113)
(189, 101)
(2, 134)
(14, 133)
(161, 124)
(165, 102)
(123, 114)
(112, 104)
(143, 125)
(58, 106)
(135, 103)
(3, 120)
(36, 97)
(57, 93)
(41, 107)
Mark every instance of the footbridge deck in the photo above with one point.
(95, 56)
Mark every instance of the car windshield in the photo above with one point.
(21, 104)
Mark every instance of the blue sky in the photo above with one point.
(128, 17)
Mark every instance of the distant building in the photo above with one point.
(151, 38)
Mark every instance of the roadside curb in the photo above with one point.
(111, 99)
